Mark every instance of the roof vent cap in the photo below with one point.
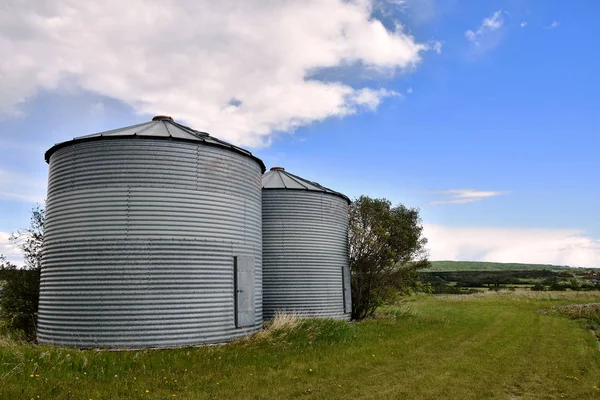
(277, 169)
(162, 118)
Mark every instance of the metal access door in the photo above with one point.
(243, 267)
(347, 289)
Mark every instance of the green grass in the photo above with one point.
(491, 345)
(442, 266)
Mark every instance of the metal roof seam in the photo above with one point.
(296, 179)
(151, 124)
(281, 179)
(183, 127)
(167, 127)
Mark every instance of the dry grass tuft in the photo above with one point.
(8, 341)
(397, 311)
(10, 338)
(589, 311)
(298, 329)
(281, 323)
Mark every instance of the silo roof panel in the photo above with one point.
(279, 178)
(159, 128)
(292, 183)
(126, 131)
(267, 178)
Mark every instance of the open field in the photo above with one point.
(491, 345)
(446, 266)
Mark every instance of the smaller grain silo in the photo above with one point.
(305, 248)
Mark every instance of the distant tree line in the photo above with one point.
(461, 282)
(555, 283)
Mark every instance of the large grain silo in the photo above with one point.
(305, 248)
(153, 239)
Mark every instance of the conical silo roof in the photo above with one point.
(160, 127)
(279, 178)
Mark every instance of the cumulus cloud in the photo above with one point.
(523, 24)
(463, 196)
(486, 35)
(15, 186)
(545, 246)
(236, 69)
(554, 24)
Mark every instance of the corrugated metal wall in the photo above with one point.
(140, 241)
(305, 253)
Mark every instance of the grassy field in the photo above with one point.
(491, 345)
(439, 266)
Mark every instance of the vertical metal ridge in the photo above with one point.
(139, 245)
(305, 251)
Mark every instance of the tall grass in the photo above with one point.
(294, 328)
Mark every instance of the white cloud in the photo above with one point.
(554, 24)
(14, 186)
(409, 90)
(523, 24)
(545, 246)
(12, 252)
(486, 29)
(190, 59)
(463, 196)
(435, 45)
(493, 22)
(369, 98)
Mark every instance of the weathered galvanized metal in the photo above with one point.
(152, 239)
(305, 248)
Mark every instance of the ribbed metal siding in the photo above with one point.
(305, 248)
(139, 243)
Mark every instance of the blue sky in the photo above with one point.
(485, 115)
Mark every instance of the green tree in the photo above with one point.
(31, 239)
(387, 247)
(20, 292)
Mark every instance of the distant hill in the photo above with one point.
(441, 266)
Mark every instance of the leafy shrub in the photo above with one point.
(387, 248)
(19, 302)
(20, 292)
